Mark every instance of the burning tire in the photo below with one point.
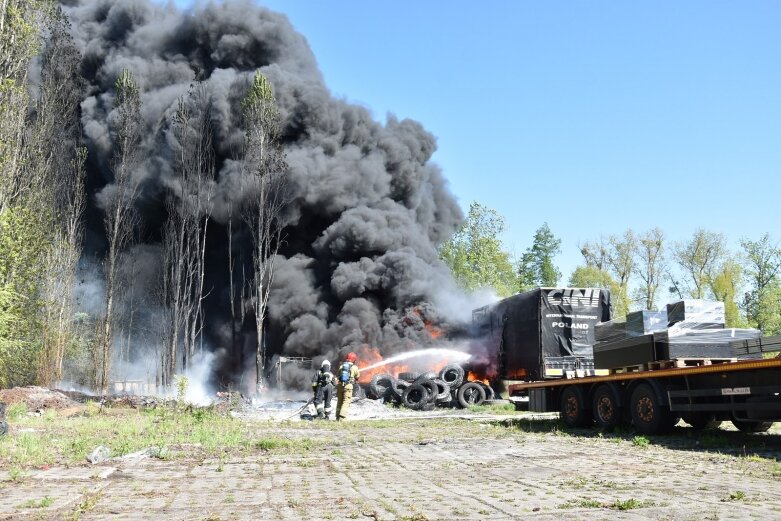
(453, 375)
(443, 389)
(489, 391)
(399, 386)
(471, 393)
(425, 377)
(415, 397)
(359, 391)
(380, 386)
(408, 377)
(431, 388)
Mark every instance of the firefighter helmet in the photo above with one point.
(352, 357)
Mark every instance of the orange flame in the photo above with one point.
(368, 356)
(474, 377)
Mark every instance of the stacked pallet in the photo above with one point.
(756, 346)
(688, 329)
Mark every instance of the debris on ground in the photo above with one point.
(99, 455)
(37, 398)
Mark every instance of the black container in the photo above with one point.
(529, 328)
(625, 352)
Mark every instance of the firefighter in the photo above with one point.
(347, 376)
(323, 386)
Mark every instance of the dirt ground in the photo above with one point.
(441, 467)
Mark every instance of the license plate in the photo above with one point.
(729, 391)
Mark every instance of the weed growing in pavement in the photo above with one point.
(581, 503)
(640, 441)
(629, 504)
(738, 495)
(87, 504)
(37, 503)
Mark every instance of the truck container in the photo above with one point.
(543, 333)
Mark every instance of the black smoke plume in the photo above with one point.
(359, 264)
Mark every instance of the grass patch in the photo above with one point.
(15, 411)
(495, 408)
(738, 495)
(196, 432)
(37, 503)
(629, 504)
(581, 503)
(713, 440)
(640, 441)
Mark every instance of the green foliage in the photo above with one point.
(536, 267)
(762, 301)
(475, 254)
(699, 258)
(593, 277)
(725, 284)
(640, 441)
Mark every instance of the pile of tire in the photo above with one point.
(424, 392)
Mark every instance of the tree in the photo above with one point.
(54, 137)
(475, 255)
(266, 198)
(593, 277)
(724, 285)
(184, 233)
(595, 254)
(698, 258)
(762, 302)
(620, 261)
(536, 267)
(650, 266)
(120, 216)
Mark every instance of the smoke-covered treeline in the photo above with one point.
(161, 112)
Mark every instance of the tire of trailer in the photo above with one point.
(414, 397)
(470, 393)
(752, 426)
(649, 415)
(606, 410)
(380, 386)
(453, 375)
(575, 411)
(700, 420)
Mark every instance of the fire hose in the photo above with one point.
(311, 400)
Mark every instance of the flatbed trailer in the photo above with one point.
(745, 392)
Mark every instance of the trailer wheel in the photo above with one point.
(701, 421)
(752, 426)
(470, 393)
(649, 416)
(574, 411)
(606, 412)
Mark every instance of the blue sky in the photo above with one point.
(592, 116)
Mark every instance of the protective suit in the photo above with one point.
(347, 376)
(323, 386)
